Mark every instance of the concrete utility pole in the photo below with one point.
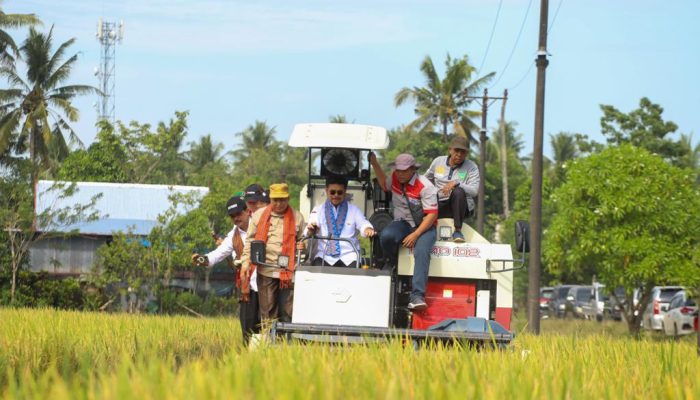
(482, 164)
(482, 157)
(504, 156)
(533, 292)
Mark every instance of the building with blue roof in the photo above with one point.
(121, 207)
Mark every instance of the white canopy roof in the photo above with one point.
(351, 136)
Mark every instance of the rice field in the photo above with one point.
(46, 354)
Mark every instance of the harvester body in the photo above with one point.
(470, 287)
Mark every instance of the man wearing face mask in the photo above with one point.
(414, 199)
(336, 217)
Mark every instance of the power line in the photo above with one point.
(493, 30)
(527, 12)
(551, 25)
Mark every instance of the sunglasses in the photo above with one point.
(336, 192)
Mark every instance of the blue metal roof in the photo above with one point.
(122, 205)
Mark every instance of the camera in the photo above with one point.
(202, 260)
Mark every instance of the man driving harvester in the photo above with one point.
(414, 199)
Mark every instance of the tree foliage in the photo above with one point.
(629, 217)
(35, 112)
(644, 128)
(444, 102)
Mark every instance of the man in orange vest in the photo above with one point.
(278, 226)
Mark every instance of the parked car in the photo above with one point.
(576, 299)
(594, 308)
(681, 317)
(546, 294)
(653, 315)
(557, 304)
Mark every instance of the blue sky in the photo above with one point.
(231, 62)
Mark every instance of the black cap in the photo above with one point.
(254, 192)
(234, 205)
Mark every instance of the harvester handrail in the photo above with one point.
(330, 237)
(503, 262)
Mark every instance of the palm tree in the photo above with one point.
(35, 112)
(204, 153)
(256, 137)
(564, 147)
(6, 42)
(444, 101)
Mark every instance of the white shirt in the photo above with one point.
(354, 221)
(226, 249)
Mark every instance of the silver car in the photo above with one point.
(653, 316)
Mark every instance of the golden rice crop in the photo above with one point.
(65, 355)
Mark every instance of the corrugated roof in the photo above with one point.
(122, 205)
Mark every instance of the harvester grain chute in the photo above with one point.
(470, 287)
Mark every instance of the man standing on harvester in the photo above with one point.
(414, 199)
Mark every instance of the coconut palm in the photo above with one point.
(564, 147)
(256, 137)
(444, 101)
(35, 111)
(204, 153)
(7, 44)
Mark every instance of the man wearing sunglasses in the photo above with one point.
(336, 217)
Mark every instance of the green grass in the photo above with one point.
(48, 354)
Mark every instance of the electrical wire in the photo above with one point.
(493, 30)
(515, 45)
(549, 30)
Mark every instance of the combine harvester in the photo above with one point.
(470, 287)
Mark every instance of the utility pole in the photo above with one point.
(504, 156)
(482, 164)
(533, 292)
(482, 157)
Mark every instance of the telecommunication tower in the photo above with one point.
(109, 34)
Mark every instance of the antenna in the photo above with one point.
(109, 34)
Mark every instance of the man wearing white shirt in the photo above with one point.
(232, 245)
(336, 217)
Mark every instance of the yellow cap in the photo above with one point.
(279, 191)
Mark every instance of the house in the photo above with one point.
(121, 206)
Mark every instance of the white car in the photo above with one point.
(653, 315)
(681, 318)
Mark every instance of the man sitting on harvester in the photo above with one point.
(336, 217)
(414, 199)
(457, 181)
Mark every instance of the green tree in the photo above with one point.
(23, 226)
(564, 149)
(444, 101)
(643, 127)
(12, 21)
(156, 155)
(204, 153)
(255, 139)
(29, 106)
(630, 218)
(103, 161)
